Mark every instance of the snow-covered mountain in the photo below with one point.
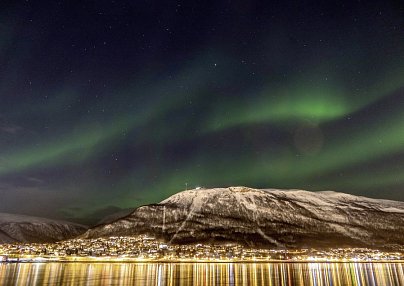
(22, 228)
(271, 218)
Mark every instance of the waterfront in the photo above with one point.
(202, 274)
(149, 249)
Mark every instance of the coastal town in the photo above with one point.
(145, 248)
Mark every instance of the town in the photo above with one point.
(145, 248)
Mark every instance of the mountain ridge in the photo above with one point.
(265, 217)
(23, 228)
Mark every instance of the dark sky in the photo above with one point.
(113, 104)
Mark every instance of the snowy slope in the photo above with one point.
(273, 218)
(22, 228)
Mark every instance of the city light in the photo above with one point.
(144, 248)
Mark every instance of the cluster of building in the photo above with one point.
(148, 248)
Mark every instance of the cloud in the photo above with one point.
(9, 128)
(32, 199)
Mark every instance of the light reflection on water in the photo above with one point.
(88, 274)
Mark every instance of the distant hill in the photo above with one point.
(115, 216)
(22, 228)
(266, 218)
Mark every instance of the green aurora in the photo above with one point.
(93, 119)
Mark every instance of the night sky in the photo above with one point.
(108, 105)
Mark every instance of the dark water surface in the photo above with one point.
(202, 274)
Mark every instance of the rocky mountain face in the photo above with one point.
(21, 228)
(266, 218)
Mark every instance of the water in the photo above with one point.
(202, 274)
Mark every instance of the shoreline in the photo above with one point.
(13, 260)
